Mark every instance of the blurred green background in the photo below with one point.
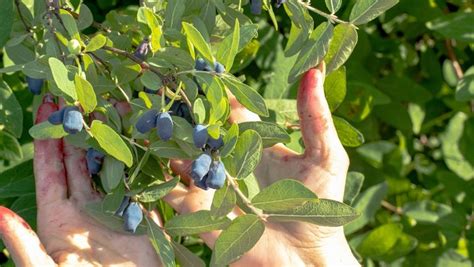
(409, 92)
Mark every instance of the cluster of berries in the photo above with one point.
(162, 121)
(206, 171)
(70, 117)
(131, 213)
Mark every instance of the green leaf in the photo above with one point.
(454, 157)
(96, 43)
(185, 257)
(70, 24)
(11, 114)
(333, 5)
(17, 181)
(323, 212)
(426, 211)
(150, 80)
(111, 173)
(156, 192)
(183, 131)
(223, 202)
(348, 135)
(246, 95)
(282, 196)
(465, 87)
(456, 25)
(230, 140)
(160, 243)
(195, 223)
(111, 142)
(385, 237)
(404, 245)
(9, 147)
(238, 238)
(367, 205)
(199, 111)
(313, 51)
(247, 154)
(46, 130)
(354, 181)
(6, 20)
(198, 41)
(85, 94)
(229, 47)
(270, 133)
(342, 44)
(174, 12)
(168, 149)
(335, 88)
(367, 10)
(60, 76)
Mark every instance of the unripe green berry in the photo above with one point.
(74, 47)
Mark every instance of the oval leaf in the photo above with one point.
(111, 142)
(342, 44)
(194, 223)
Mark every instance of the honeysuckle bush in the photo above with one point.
(402, 107)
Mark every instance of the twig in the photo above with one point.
(330, 17)
(454, 60)
(392, 208)
(244, 199)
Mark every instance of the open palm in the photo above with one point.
(322, 168)
(69, 237)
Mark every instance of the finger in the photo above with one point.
(239, 112)
(78, 178)
(317, 127)
(20, 240)
(50, 174)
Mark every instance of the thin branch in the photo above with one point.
(454, 60)
(331, 17)
(244, 198)
(392, 208)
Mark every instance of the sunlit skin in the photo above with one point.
(69, 237)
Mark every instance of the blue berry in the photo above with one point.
(123, 206)
(200, 135)
(219, 68)
(147, 121)
(132, 217)
(72, 122)
(215, 143)
(279, 3)
(200, 167)
(216, 176)
(202, 183)
(34, 85)
(256, 7)
(201, 64)
(94, 160)
(164, 126)
(56, 117)
(142, 49)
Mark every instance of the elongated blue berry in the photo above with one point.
(256, 7)
(142, 49)
(147, 121)
(94, 160)
(132, 217)
(34, 85)
(56, 117)
(202, 183)
(201, 64)
(215, 143)
(201, 166)
(72, 122)
(164, 126)
(219, 68)
(123, 206)
(216, 176)
(200, 135)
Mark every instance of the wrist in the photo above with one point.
(335, 251)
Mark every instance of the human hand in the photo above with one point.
(322, 168)
(67, 235)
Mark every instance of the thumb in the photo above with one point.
(20, 240)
